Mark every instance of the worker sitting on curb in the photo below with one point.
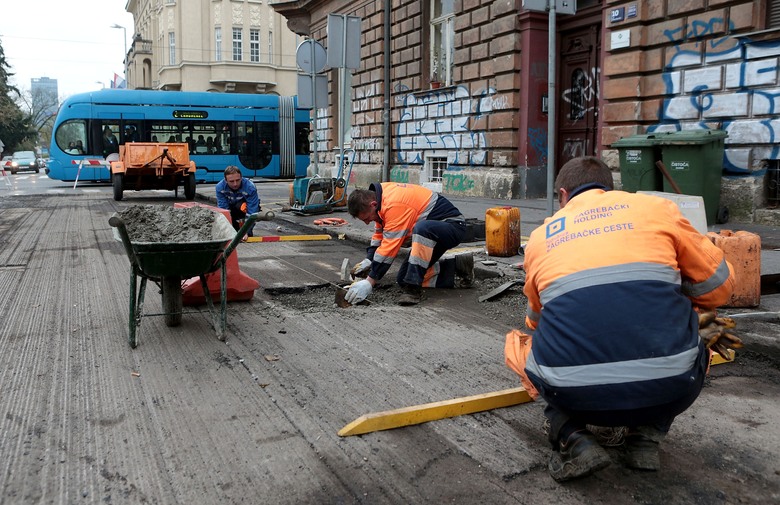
(614, 281)
(407, 214)
(238, 195)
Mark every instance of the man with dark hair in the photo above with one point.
(238, 195)
(614, 282)
(409, 215)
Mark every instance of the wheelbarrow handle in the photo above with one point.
(117, 223)
(248, 223)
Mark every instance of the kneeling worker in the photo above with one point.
(614, 281)
(238, 195)
(407, 214)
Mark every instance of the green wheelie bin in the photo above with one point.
(638, 154)
(694, 160)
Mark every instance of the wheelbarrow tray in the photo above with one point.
(182, 259)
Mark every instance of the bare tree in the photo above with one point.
(42, 108)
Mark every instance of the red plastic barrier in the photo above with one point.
(240, 286)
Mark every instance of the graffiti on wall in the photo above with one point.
(537, 143)
(729, 80)
(446, 121)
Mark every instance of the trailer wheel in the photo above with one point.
(172, 299)
(189, 187)
(117, 180)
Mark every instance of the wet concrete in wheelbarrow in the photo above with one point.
(157, 223)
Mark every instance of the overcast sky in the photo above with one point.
(72, 42)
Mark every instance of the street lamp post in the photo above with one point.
(102, 84)
(124, 39)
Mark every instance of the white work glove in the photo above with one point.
(358, 291)
(361, 268)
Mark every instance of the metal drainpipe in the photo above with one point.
(386, 111)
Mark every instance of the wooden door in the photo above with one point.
(578, 101)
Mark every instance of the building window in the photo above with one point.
(442, 40)
(270, 46)
(433, 171)
(254, 45)
(171, 48)
(237, 44)
(773, 14)
(217, 43)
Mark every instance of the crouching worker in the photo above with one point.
(404, 215)
(614, 281)
(238, 195)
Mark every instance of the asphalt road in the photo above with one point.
(186, 418)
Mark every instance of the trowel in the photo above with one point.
(342, 302)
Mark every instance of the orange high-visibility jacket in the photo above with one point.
(401, 206)
(612, 280)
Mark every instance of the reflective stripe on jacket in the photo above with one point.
(611, 280)
(401, 207)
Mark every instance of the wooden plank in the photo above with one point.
(284, 238)
(419, 414)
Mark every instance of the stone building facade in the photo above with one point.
(240, 46)
(454, 94)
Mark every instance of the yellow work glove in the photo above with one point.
(717, 333)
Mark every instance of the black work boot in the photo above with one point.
(578, 456)
(641, 448)
(464, 268)
(412, 295)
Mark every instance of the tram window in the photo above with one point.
(70, 134)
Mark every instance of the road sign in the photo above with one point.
(311, 56)
(306, 97)
(343, 41)
(561, 6)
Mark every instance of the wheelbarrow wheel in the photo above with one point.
(172, 300)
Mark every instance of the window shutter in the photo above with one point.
(773, 14)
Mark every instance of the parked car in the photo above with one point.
(24, 160)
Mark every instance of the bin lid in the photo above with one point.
(641, 140)
(690, 137)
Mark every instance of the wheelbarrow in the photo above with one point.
(167, 263)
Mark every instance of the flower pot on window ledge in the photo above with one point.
(435, 84)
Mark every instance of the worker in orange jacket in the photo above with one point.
(614, 281)
(409, 215)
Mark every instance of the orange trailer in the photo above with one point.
(153, 165)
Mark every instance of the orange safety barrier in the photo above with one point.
(240, 286)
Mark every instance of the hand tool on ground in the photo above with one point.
(500, 289)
